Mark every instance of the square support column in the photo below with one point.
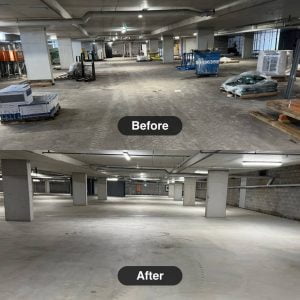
(247, 48)
(130, 49)
(65, 52)
(168, 49)
(79, 184)
(17, 189)
(178, 191)
(216, 197)
(153, 46)
(171, 190)
(102, 188)
(36, 53)
(47, 186)
(189, 198)
(205, 39)
(242, 200)
(76, 49)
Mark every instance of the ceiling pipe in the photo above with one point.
(93, 14)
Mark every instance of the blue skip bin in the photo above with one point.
(207, 62)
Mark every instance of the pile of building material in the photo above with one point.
(250, 84)
(228, 60)
(18, 103)
(141, 58)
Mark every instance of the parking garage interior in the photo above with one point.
(52, 35)
(228, 220)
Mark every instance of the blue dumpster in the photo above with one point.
(207, 62)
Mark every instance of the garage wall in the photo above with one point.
(56, 187)
(283, 202)
(149, 188)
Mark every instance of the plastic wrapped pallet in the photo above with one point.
(249, 83)
(275, 63)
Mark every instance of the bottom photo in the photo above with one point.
(129, 224)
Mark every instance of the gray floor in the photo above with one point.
(75, 252)
(91, 111)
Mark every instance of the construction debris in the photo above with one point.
(250, 84)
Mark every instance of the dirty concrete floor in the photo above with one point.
(91, 111)
(75, 252)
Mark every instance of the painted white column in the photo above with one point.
(242, 200)
(189, 198)
(79, 184)
(216, 197)
(47, 186)
(178, 187)
(171, 190)
(101, 50)
(36, 53)
(168, 49)
(65, 52)
(153, 46)
(247, 48)
(76, 49)
(102, 188)
(17, 190)
(205, 39)
(130, 49)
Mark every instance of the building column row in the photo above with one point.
(216, 195)
(18, 192)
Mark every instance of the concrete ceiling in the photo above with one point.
(185, 20)
(151, 164)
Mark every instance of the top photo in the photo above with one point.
(166, 75)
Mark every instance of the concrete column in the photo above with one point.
(242, 200)
(168, 49)
(124, 50)
(216, 197)
(102, 188)
(76, 49)
(101, 50)
(79, 184)
(189, 198)
(178, 191)
(247, 48)
(205, 39)
(17, 189)
(153, 46)
(65, 52)
(130, 49)
(47, 186)
(171, 190)
(36, 53)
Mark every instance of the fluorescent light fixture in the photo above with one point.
(201, 172)
(177, 38)
(126, 155)
(36, 180)
(262, 163)
(195, 34)
(123, 31)
(112, 179)
(1, 179)
(140, 16)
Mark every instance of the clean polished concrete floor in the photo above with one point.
(91, 111)
(76, 252)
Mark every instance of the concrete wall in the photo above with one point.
(118, 48)
(55, 187)
(221, 43)
(151, 188)
(283, 202)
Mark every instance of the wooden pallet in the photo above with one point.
(286, 107)
(280, 78)
(286, 128)
(251, 96)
